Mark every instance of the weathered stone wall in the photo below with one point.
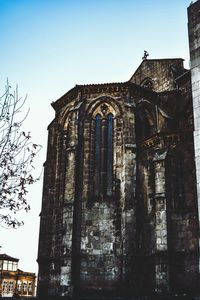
(194, 45)
(141, 234)
(87, 236)
(169, 236)
(107, 222)
(162, 73)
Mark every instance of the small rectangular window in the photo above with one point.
(24, 287)
(5, 265)
(30, 287)
(11, 286)
(10, 266)
(15, 266)
(5, 284)
(19, 286)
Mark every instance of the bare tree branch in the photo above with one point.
(17, 154)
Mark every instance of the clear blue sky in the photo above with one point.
(48, 46)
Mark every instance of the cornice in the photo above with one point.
(82, 91)
(166, 137)
(69, 96)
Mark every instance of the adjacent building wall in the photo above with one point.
(194, 45)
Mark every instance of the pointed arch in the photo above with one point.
(148, 83)
(146, 122)
(113, 105)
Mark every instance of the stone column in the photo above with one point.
(69, 158)
(161, 247)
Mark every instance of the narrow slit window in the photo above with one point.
(102, 157)
(97, 155)
(109, 154)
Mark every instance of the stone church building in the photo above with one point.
(120, 206)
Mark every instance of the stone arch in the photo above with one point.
(65, 117)
(147, 82)
(97, 106)
(146, 122)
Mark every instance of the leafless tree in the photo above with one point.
(17, 153)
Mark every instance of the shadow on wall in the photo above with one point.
(155, 297)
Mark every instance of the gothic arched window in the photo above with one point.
(103, 154)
